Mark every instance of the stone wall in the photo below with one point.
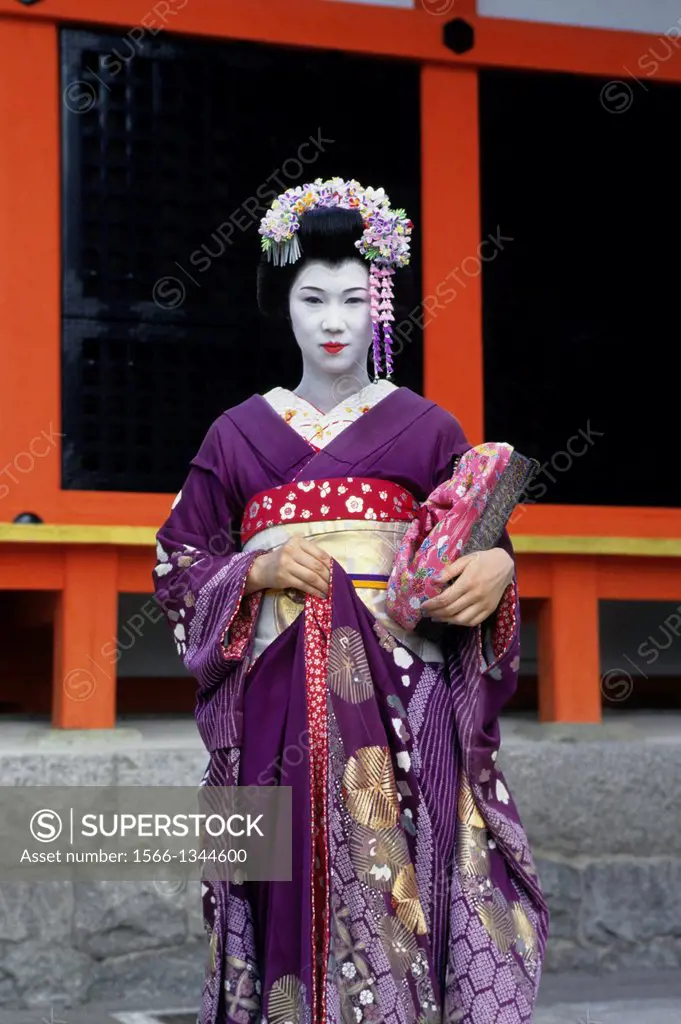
(64, 943)
(601, 808)
(604, 817)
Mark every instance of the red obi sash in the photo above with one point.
(342, 497)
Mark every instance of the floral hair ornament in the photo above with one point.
(384, 242)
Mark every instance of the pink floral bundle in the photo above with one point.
(466, 513)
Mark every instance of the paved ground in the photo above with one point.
(615, 999)
(565, 999)
(638, 1012)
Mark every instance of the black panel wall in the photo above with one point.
(580, 322)
(171, 149)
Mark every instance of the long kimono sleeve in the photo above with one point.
(199, 581)
(499, 635)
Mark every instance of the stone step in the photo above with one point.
(600, 808)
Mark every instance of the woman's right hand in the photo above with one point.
(298, 563)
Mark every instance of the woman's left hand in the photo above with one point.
(482, 580)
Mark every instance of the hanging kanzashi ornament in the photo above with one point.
(384, 243)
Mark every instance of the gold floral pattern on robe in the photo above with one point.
(399, 944)
(369, 788)
(349, 674)
(379, 849)
(505, 921)
(405, 898)
(378, 855)
(286, 1002)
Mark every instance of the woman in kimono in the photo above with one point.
(413, 895)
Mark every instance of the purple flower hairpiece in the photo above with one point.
(385, 242)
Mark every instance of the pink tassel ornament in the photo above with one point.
(374, 288)
(386, 316)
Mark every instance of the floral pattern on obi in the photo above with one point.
(336, 498)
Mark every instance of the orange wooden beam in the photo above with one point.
(91, 576)
(446, 9)
(134, 571)
(30, 415)
(112, 508)
(22, 569)
(534, 576)
(452, 265)
(86, 628)
(415, 34)
(645, 579)
(568, 644)
(617, 578)
(595, 521)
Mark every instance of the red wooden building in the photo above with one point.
(60, 579)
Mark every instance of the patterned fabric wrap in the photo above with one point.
(465, 513)
(345, 497)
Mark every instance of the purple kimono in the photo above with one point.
(414, 897)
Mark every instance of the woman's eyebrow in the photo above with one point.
(316, 288)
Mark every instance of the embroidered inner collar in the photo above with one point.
(320, 428)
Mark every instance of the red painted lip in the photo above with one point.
(333, 347)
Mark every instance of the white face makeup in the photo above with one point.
(331, 317)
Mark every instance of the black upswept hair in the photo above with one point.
(328, 234)
(325, 233)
